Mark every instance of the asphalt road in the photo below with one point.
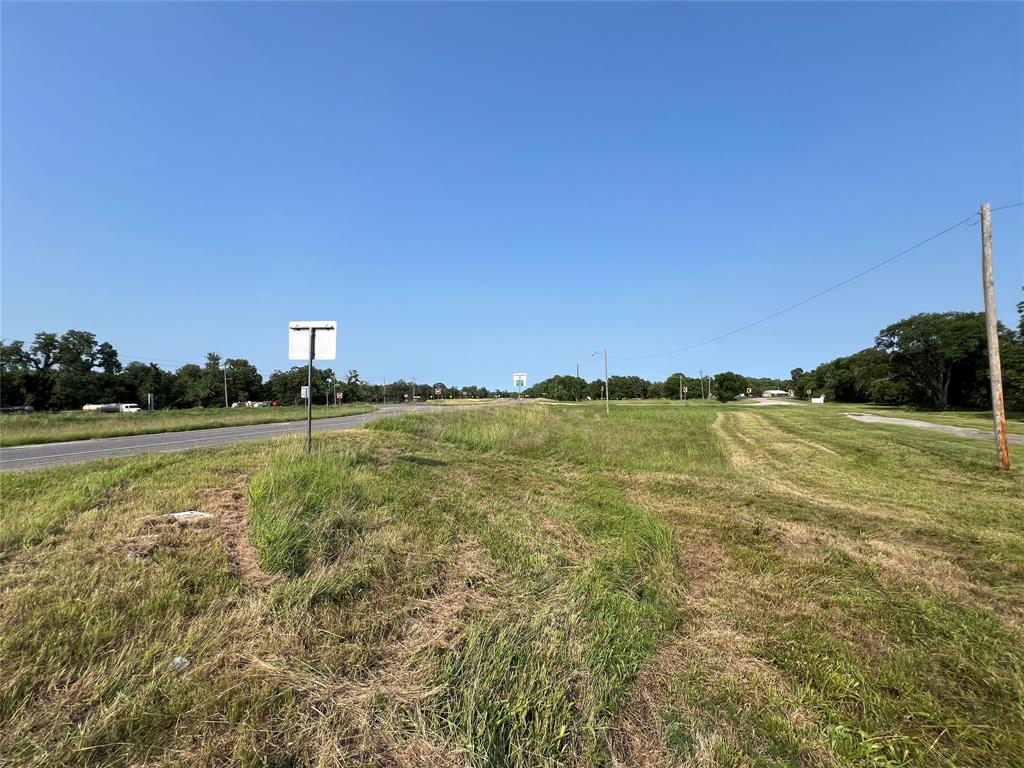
(52, 454)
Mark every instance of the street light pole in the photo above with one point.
(226, 386)
(607, 410)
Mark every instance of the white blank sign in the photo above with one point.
(326, 341)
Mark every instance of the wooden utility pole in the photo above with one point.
(995, 368)
(680, 386)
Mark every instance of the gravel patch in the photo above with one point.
(969, 432)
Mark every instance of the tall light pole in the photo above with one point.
(226, 385)
(607, 409)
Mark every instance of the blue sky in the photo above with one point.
(472, 190)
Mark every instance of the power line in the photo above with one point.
(817, 295)
(1011, 205)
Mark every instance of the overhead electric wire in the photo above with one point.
(817, 295)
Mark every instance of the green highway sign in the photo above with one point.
(519, 379)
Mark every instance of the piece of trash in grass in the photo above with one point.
(188, 515)
(179, 663)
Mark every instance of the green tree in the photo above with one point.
(286, 386)
(564, 388)
(670, 388)
(137, 380)
(728, 385)
(937, 354)
(1011, 352)
(76, 381)
(628, 387)
(244, 381)
(353, 389)
(15, 373)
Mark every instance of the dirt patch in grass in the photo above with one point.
(230, 509)
(638, 738)
(225, 511)
(390, 706)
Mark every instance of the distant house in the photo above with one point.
(775, 393)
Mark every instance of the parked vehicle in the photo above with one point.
(17, 409)
(112, 408)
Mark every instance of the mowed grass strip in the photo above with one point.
(694, 584)
(35, 428)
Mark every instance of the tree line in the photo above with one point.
(936, 360)
(930, 360)
(66, 371)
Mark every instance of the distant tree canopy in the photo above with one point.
(934, 360)
(66, 371)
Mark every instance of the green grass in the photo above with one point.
(33, 428)
(700, 584)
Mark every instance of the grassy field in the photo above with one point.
(31, 428)
(701, 585)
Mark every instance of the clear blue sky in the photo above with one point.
(472, 190)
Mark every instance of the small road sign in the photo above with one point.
(309, 340)
(325, 340)
(304, 392)
(519, 379)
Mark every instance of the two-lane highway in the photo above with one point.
(52, 454)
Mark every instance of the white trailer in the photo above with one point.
(103, 408)
(112, 408)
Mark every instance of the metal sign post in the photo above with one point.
(323, 346)
(519, 380)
